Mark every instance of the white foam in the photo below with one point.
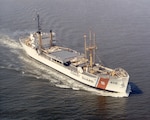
(62, 86)
(8, 42)
(75, 88)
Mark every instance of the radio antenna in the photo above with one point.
(38, 20)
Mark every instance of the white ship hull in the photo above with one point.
(101, 81)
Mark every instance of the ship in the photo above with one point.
(78, 66)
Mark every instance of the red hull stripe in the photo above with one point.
(102, 83)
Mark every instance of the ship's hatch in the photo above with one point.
(64, 55)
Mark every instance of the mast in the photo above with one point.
(38, 19)
(90, 37)
(85, 51)
(94, 43)
(91, 49)
(39, 33)
(51, 38)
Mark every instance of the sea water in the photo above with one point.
(30, 90)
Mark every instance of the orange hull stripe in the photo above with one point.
(102, 83)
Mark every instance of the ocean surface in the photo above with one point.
(32, 91)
